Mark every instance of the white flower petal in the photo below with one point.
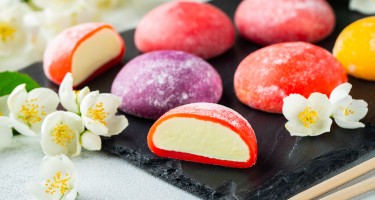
(52, 164)
(320, 103)
(94, 126)
(359, 108)
(67, 140)
(17, 98)
(116, 125)
(21, 127)
(5, 122)
(293, 105)
(340, 92)
(67, 96)
(90, 141)
(296, 128)
(82, 93)
(321, 126)
(110, 102)
(343, 123)
(4, 110)
(348, 112)
(71, 195)
(88, 101)
(37, 190)
(46, 98)
(339, 106)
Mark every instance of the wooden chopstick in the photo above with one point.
(336, 181)
(352, 191)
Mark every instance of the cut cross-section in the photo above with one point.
(85, 50)
(206, 133)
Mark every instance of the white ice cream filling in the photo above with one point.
(93, 53)
(200, 137)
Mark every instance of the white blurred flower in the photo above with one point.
(56, 5)
(90, 141)
(20, 40)
(347, 111)
(363, 6)
(6, 133)
(5, 124)
(53, 21)
(58, 179)
(98, 114)
(60, 134)
(13, 34)
(105, 4)
(71, 99)
(27, 110)
(307, 117)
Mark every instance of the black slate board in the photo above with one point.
(286, 165)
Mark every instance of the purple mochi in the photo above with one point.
(155, 82)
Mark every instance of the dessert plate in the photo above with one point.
(286, 165)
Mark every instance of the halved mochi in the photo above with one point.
(205, 133)
(85, 50)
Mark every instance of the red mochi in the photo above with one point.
(269, 74)
(86, 50)
(269, 22)
(197, 28)
(217, 129)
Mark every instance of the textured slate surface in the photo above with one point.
(286, 165)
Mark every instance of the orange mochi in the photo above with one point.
(206, 133)
(355, 48)
(267, 75)
(85, 50)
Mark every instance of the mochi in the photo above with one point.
(155, 82)
(205, 133)
(85, 50)
(197, 28)
(267, 75)
(355, 48)
(269, 22)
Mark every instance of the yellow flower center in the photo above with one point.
(97, 113)
(58, 184)
(1, 114)
(347, 111)
(31, 113)
(308, 117)
(62, 135)
(6, 32)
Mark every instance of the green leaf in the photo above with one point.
(10, 80)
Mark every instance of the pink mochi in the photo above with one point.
(153, 83)
(268, 22)
(197, 28)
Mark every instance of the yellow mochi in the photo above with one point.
(355, 48)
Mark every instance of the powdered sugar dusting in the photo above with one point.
(215, 111)
(296, 67)
(155, 82)
(268, 22)
(198, 28)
